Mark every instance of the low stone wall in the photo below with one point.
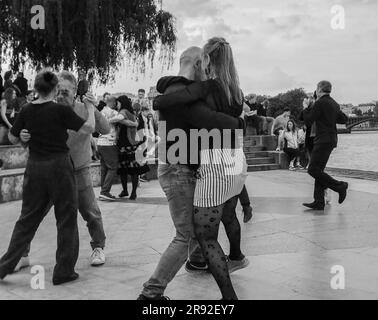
(13, 157)
(281, 158)
(11, 181)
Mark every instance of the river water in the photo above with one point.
(358, 150)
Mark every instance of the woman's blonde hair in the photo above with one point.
(219, 62)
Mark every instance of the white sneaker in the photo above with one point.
(22, 264)
(234, 265)
(97, 257)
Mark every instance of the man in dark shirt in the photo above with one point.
(324, 115)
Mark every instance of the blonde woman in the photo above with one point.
(222, 171)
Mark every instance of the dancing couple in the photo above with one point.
(57, 174)
(201, 197)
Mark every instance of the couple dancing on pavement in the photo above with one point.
(205, 95)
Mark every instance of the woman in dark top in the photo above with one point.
(8, 76)
(127, 130)
(222, 171)
(8, 114)
(49, 177)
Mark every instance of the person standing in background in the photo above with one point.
(142, 100)
(22, 84)
(280, 123)
(265, 121)
(8, 76)
(1, 86)
(83, 85)
(108, 151)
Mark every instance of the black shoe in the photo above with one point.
(3, 275)
(196, 267)
(57, 281)
(123, 194)
(133, 196)
(142, 297)
(343, 192)
(247, 214)
(315, 206)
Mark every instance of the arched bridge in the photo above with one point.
(355, 121)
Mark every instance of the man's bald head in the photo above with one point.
(190, 57)
(190, 64)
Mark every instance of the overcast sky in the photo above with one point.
(284, 44)
(281, 44)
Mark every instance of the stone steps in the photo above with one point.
(260, 161)
(263, 167)
(249, 149)
(257, 154)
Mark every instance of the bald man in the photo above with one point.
(178, 180)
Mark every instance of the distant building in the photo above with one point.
(347, 108)
(366, 107)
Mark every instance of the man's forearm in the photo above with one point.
(102, 125)
(202, 117)
(89, 126)
(13, 139)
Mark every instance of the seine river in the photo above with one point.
(358, 150)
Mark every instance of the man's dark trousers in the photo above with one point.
(319, 158)
(47, 181)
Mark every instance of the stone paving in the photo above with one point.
(291, 250)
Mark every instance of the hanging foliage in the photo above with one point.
(91, 35)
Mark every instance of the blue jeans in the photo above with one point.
(178, 183)
(89, 209)
(109, 166)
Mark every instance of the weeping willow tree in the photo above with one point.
(95, 36)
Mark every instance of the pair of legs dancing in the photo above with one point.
(206, 229)
(134, 183)
(319, 158)
(178, 183)
(47, 181)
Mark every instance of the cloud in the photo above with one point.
(279, 45)
(194, 8)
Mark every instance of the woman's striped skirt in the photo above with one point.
(221, 176)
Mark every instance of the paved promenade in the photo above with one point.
(291, 250)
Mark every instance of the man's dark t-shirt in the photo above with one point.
(47, 124)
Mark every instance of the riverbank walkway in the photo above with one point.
(291, 250)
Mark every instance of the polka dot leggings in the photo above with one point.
(206, 228)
